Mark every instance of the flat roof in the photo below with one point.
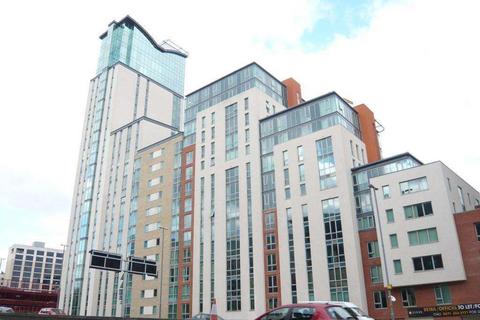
(384, 160)
(307, 102)
(244, 67)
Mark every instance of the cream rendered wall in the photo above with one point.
(442, 219)
(344, 191)
(257, 111)
(118, 111)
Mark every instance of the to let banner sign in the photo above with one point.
(453, 310)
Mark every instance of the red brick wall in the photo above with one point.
(369, 132)
(294, 92)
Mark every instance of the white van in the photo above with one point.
(352, 308)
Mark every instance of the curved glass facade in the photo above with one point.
(125, 42)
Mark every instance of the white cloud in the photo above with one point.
(416, 65)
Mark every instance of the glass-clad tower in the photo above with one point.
(135, 100)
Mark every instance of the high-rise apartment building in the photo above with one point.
(33, 267)
(253, 197)
(134, 101)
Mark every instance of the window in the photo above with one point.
(203, 136)
(154, 196)
(156, 166)
(300, 153)
(442, 294)
(338, 313)
(390, 216)
(278, 314)
(188, 204)
(379, 299)
(247, 119)
(270, 221)
(156, 154)
(202, 164)
(212, 133)
(397, 266)
(152, 227)
(202, 151)
(151, 243)
(326, 163)
(272, 284)
(285, 158)
(386, 192)
(303, 189)
(212, 118)
(247, 135)
(376, 274)
(187, 237)
(477, 230)
(373, 251)
(271, 262)
(288, 194)
(270, 243)
(149, 293)
(154, 182)
(247, 149)
(303, 313)
(188, 173)
(231, 132)
(422, 236)
(186, 273)
(245, 104)
(301, 172)
(415, 185)
(286, 177)
(394, 241)
(408, 297)
(418, 210)
(462, 200)
(267, 107)
(427, 262)
(449, 185)
(188, 189)
(154, 210)
(212, 148)
(189, 157)
(187, 221)
(366, 222)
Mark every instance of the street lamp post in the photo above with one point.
(384, 262)
(161, 273)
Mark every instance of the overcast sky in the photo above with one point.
(416, 64)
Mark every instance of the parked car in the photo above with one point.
(51, 312)
(308, 311)
(352, 308)
(6, 310)
(204, 316)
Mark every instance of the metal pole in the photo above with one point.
(389, 286)
(161, 272)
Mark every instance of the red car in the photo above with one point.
(307, 311)
(51, 312)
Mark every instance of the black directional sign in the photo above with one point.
(105, 260)
(141, 266)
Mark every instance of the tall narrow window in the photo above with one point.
(285, 158)
(326, 164)
(300, 153)
(462, 200)
(308, 252)
(232, 212)
(335, 250)
(390, 216)
(231, 132)
(291, 254)
(442, 294)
